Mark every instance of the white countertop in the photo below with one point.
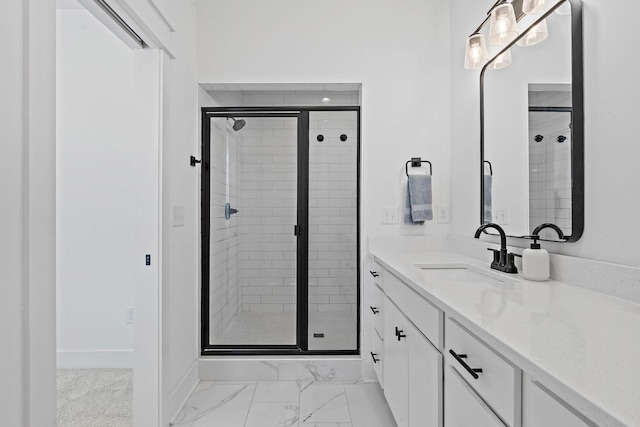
(582, 345)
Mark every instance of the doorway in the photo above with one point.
(280, 230)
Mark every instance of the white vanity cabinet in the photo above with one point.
(462, 405)
(540, 408)
(438, 372)
(495, 380)
(374, 309)
(413, 366)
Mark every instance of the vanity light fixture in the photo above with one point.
(534, 35)
(503, 17)
(532, 6)
(503, 25)
(502, 61)
(476, 54)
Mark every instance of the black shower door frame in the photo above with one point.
(301, 231)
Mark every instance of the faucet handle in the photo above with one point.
(511, 266)
(496, 257)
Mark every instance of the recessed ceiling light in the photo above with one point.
(326, 100)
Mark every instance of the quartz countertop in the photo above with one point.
(582, 345)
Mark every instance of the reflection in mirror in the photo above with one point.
(532, 131)
(550, 157)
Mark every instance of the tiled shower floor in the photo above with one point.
(286, 404)
(339, 329)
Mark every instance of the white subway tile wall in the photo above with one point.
(224, 267)
(268, 210)
(550, 163)
(333, 212)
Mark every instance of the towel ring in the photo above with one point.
(490, 167)
(416, 162)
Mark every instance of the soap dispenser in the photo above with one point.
(535, 261)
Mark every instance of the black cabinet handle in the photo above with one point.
(400, 334)
(374, 309)
(373, 356)
(373, 273)
(459, 357)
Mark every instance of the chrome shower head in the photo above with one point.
(237, 123)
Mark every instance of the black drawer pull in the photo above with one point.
(459, 357)
(373, 273)
(373, 356)
(400, 334)
(374, 309)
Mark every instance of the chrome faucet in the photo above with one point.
(502, 260)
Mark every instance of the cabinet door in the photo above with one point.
(541, 409)
(463, 407)
(425, 381)
(396, 370)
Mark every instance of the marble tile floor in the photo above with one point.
(266, 328)
(285, 404)
(95, 397)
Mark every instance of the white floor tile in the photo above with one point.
(273, 414)
(322, 402)
(217, 404)
(278, 391)
(367, 406)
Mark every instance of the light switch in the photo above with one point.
(389, 215)
(178, 216)
(501, 216)
(443, 214)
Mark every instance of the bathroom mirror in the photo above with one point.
(532, 130)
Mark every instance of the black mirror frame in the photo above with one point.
(577, 127)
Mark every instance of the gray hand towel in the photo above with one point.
(419, 198)
(488, 214)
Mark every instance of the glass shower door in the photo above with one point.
(333, 230)
(252, 248)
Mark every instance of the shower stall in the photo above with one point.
(280, 230)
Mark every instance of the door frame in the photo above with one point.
(302, 242)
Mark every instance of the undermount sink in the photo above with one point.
(458, 274)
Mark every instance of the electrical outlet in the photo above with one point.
(443, 214)
(129, 313)
(178, 216)
(501, 216)
(389, 215)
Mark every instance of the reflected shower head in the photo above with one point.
(237, 124)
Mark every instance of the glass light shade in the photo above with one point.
(475, 55)
(532, 6)
(565, 9)
(535, 35)
(503, 25)
(501, 61)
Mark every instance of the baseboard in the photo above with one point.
(312, 368)
(181, 392)
(94, 359)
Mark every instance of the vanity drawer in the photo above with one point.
(421, 312)
(499, 383)
(376, 309)
(377, 355)
(376, 270)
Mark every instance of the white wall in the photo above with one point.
(27, 191)
(12, 220)
(96, 196)
(610, 127)
(391, 49)
(180, 187)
